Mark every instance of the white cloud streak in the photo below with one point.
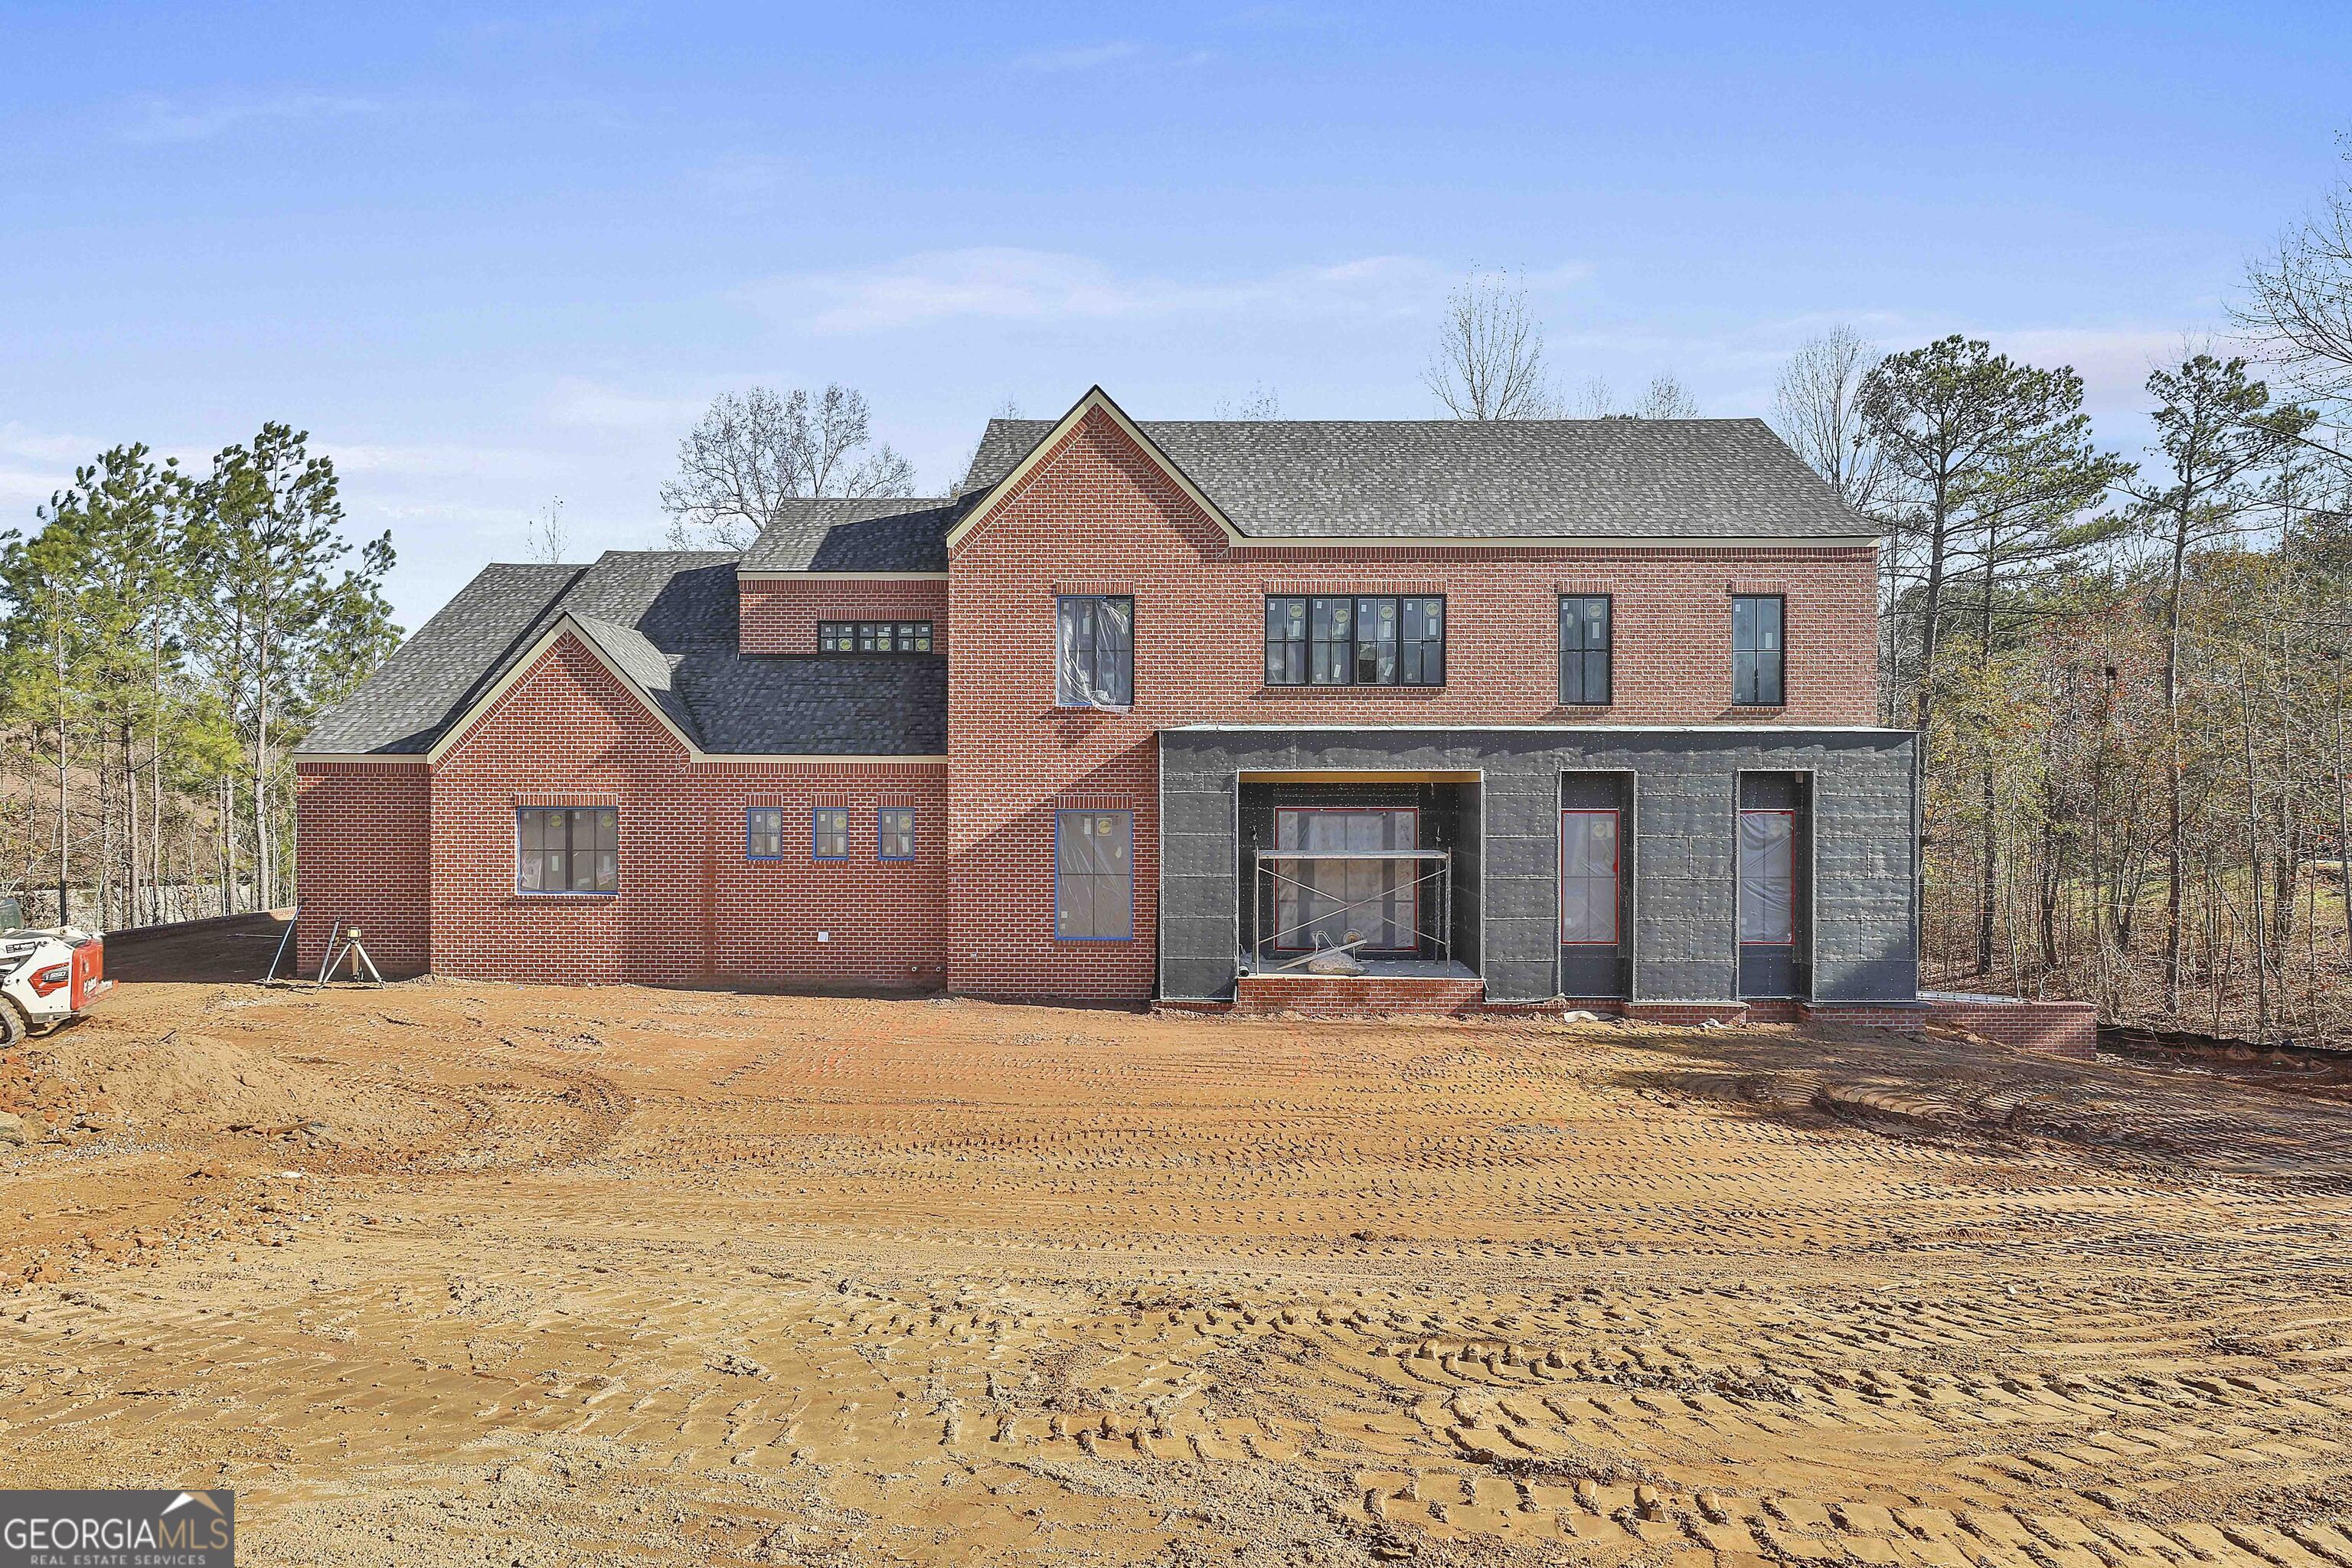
(1012, 284)
(1079, 56)
(164, 120)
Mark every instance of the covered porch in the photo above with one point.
(1357, 890)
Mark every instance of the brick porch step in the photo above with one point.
(1337, 994)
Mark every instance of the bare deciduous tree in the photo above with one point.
(1817, 410)
(547, 539)
(754, 450)
(1263, 403)
(1489, 363)
(2299, 305)
(1666, 398)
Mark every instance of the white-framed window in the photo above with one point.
(894, 833)
(1094, 663)
(1588, 878)
(1094, 876)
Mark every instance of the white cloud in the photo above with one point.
(747, 182)
(433, 462)
(594, 405)
(45, 446)
(1079, 56)
(164, 120)
(1010, 284)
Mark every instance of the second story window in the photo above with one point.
(1094, 662)
(874, 636)
(1584, 650)
(1315, 639)
(1757, 650)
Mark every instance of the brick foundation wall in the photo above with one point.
(690, 906)
(2058, 1028)
(1098, 516)
(1689, 1013)
(781, 615)
(362, 834)
(1345, 995)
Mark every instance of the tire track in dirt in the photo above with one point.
(760, 1279)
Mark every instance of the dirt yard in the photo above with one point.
(473, 1273)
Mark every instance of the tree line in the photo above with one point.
(2129, 669)
(167, 639)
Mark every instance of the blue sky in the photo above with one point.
(488, 257)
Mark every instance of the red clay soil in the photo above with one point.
(460, 1272)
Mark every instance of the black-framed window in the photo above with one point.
(1758, 650)
(1094, 663)
(763, 833)
(1354, 639)
(829, 833)
(1585, 633)
(894, 833)
(1094, 876)
(874, 636)
(567, 850)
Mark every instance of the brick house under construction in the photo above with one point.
(1512, 712)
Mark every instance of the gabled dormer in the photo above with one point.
(848, 576)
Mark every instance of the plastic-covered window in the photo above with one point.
(1588, 876)
(1767, 877)
(829, 833)
(1758, 650)
(567, 850)
(1095, 651)
(763, 833)
(1094, 876)
(1584, 649)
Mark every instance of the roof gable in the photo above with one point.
(983, 501)
(665, 624)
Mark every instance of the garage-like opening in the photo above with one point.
(1381, 868)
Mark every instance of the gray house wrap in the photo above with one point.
(1858, 888)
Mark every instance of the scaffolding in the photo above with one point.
(1265, 876)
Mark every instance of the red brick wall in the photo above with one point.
(2057, 1028)
(1098, 516)
(362, 834)
(690, 906)
(780, 614)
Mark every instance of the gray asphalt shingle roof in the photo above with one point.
(1602, 478)
(666, 619)
(899, 533)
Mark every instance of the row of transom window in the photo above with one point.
(576, 849)
(1399, 640)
